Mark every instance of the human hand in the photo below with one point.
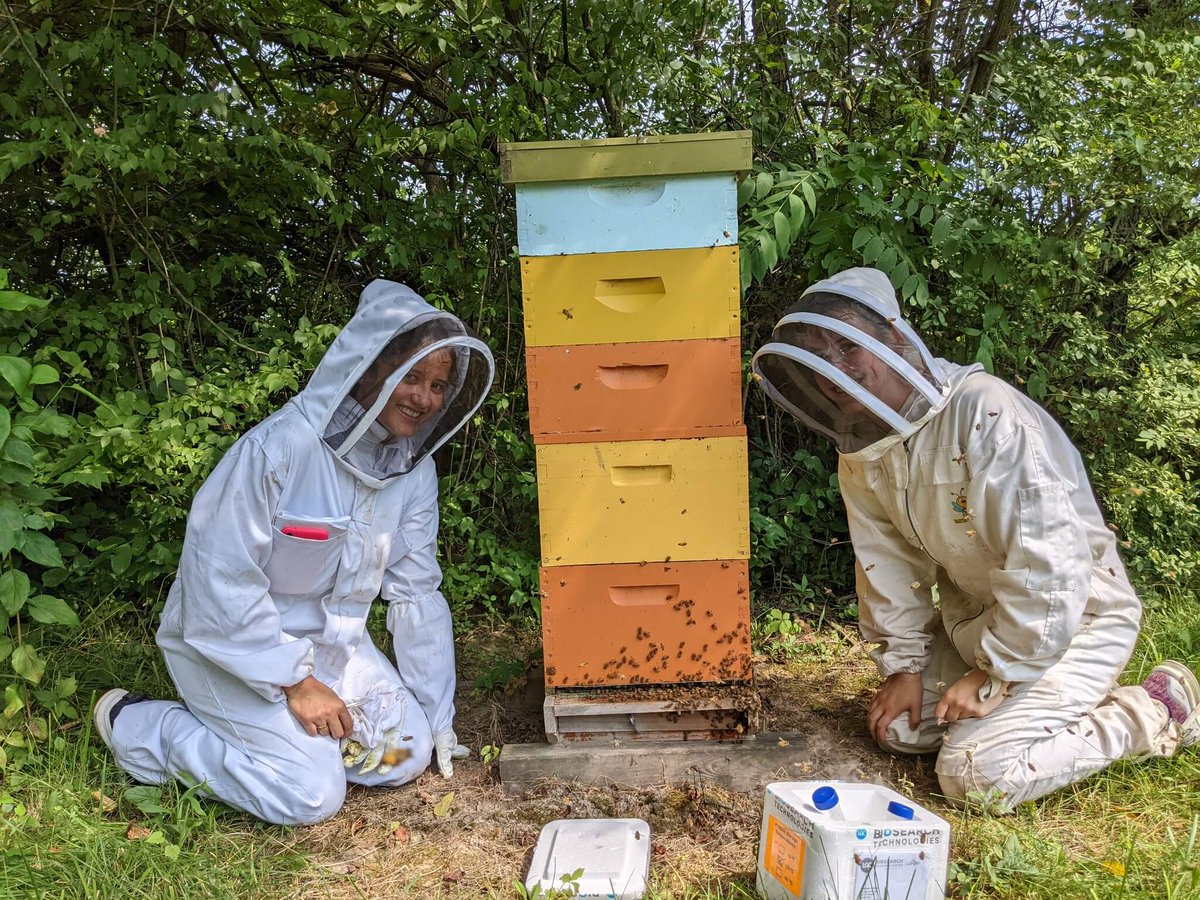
(386, 755)
(318, 708)
(962, 701)
(448, 748)
(901, 692)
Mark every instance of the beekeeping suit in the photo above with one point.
(956, 483)
(308, 518)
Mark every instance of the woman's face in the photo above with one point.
(858, 364)
(418, 397)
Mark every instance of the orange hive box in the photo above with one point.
(625, 624)
(614, 392)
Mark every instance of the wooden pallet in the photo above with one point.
(664, 713)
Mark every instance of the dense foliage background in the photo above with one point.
(194, 193)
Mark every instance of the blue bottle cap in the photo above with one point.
(825, 798)
(899, 809)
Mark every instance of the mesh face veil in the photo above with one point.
(421, 388)
(843, 362)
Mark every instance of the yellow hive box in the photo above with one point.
(610, 298)
(643, 501)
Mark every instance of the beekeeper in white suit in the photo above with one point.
(324, 506)
(952, 478)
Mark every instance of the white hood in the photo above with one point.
(389, 312)
(843, 361)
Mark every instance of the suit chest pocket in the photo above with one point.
(302, 561)
(946, 508)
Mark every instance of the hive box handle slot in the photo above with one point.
(637, 476)
(627, 194)
(643, 594)
(631, 378)
(630, 295)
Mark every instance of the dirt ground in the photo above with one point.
(414, 841)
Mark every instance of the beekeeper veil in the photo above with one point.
(843, 361)
(393, 339)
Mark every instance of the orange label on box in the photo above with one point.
(785, 855)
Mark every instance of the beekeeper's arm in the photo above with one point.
(1023, 511)
(419, 617)
(228, 615)
(895, 604)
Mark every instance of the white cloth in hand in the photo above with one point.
(391, 750)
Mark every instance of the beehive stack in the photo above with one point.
(629, 271)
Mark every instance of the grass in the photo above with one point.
(71, 824)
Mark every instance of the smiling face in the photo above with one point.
(859, 365)
(419, 395)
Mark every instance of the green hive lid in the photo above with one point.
(626, 157)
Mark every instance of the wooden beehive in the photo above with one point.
(629, 273)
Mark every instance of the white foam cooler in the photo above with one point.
(871, 843)
(614, 855)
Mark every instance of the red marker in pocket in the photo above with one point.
(307, 532)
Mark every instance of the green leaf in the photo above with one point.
(767, 251)
(941, 228)
(12, 523)
(43, 374)
(146, 798)
(16, 371)
(18, 452)
(39, 549)
(783, 232)
(14, 590)
(27, 663)
(874, 247)
(810, 196)
(121, 559)
(796, 212)
(13, 701)
(51, 611)
(5, 425)
(861, 236)
(16, 301)
(763, 183)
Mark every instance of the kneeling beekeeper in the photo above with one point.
(327, 504)
(952, 478)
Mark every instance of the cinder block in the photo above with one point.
(613, 625)
(643, 501)
(618, 392)
(601, 298)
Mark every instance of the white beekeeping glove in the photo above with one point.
(448, 748)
